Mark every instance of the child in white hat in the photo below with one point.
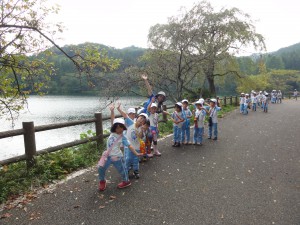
(113, 155)
(199, 122)
(153, 117)
(213, 119)
(185, 137)
(178, 118)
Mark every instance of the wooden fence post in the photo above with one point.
(230, 100)
(165, 115)
(99, 128)
(236, 101)
(29, 143)
(224, 101)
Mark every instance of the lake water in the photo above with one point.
(56, 109)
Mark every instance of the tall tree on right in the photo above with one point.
(224, 33)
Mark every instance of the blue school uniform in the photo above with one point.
(186, 126)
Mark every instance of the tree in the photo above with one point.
(203, 42)
(25, 33)
(173, 61)
(274, 62)
(224, 33)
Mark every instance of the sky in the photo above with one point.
(123, 23)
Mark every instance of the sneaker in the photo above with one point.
(209, 138)
(215, 138)
(102, 185)
(150, 155)
(124, 184)
(200, 144)
(157, 153)
(175, 144)
(136, 174)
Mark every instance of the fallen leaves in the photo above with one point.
(34, 216)
(112, 197)
(5, 215)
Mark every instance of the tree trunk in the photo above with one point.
(211, 85)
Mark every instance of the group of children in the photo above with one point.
(258, 99)
(181, 121)
(137, 133)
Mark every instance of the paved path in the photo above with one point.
(251, 175)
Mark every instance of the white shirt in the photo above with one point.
(213, 113)
(153, 119)
(242, 100)
(116, 151)
(175, 115)
(254, 100)
(132, 133)
(200, 116)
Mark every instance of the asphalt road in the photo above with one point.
(251, 175)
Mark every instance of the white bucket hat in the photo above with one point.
(130, 110)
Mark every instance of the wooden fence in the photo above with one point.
(28, 131)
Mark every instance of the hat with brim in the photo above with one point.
(213, 100)
(121, 122)
(153, 105)
(198, 102)
(144, 115)
(178, 104)
(162, 94)
(130, 110)
(185, 100)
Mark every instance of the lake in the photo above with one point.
(56, 109)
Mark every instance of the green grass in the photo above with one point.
(16, 179)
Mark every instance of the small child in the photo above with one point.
(242, 102)
(186, 125)
(213, 119)
(254, 101)
(178, 119)
(153, 117)
(266, 102)
(115, 155)
(134, 135)
(147, 138)
(279, 95)
(246, 104)
(131, 113)
(199, 122)
(273, 97)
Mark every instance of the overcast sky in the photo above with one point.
(122, 23)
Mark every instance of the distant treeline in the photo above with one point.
(66, 81)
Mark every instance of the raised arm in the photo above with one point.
(149, 88)
(121, 111)
(112, 113)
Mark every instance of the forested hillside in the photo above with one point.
(66, 80)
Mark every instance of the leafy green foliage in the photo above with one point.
(15, 179)
(25, 34)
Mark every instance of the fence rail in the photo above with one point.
(28, 131)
